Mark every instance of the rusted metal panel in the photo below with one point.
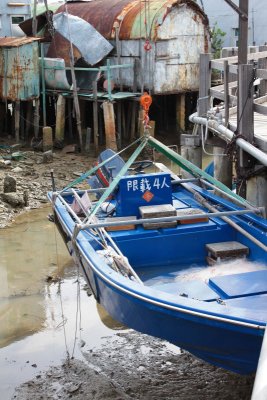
(177, 30)
(101, 13)
(19, 69)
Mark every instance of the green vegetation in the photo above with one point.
(217, 36)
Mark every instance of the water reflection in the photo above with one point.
(28, 254)
(38, 316)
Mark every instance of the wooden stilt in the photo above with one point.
(36, 118)
(17, 120)
(180, 112)
(60, 119)
(119, 122)
(69, 108)
(133, 120)
(29, 116)
(109, 121)
(95, 116)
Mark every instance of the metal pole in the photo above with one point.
(43, 85)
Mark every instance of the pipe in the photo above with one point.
(220, 214)
(226, 134)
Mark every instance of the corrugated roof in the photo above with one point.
(16, 41)
(136, 19)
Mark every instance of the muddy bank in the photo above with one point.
(134, 366)
(25, 177)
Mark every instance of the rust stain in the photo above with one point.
(129, 18)
(15, 42)
(106, 15)
(100, 14)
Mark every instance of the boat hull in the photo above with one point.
(232, 347)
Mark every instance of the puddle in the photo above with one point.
(38, 317)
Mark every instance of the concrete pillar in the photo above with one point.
(222, 167)
(191, 153)
(257, 191)
(60, 119)
(110, 129)
(47, 138)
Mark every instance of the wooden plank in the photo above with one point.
(259, 108)
(220, 95)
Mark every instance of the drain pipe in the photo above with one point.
(227, 135)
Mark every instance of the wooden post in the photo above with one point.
(95, 116)
(29, 115)
(204, 84)
(88, 140)
(69, 108)
(133, 120)
(17, 120)
(245, 125)
(119, 122)
(180, 112)
(36, 118)
(3, 116)
(110, 130)
(60, 119)
(140, 122)
(262, 64)
(191, 147)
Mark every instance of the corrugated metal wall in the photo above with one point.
(19, 69)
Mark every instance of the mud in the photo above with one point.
(32, 172)
(136, 366)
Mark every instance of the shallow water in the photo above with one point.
(37, 317)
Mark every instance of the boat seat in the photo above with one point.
(253, 307)
(196, 289)
(239, 285)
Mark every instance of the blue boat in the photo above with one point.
(179, 259)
